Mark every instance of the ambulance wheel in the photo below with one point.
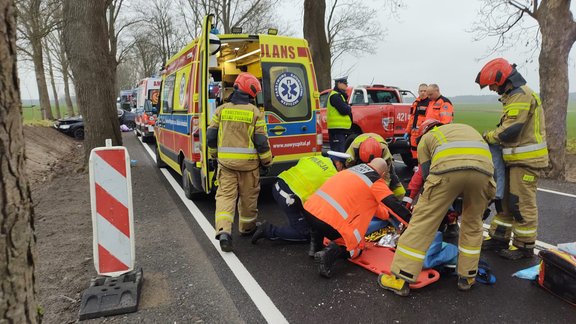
(187, 186)
(159, 163)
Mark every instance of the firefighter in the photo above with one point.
(439, 107)
(237, 138)
(343, 207)
(455, 160)
(417, 116)
(522, 135)
(339, 115)
(291, 191)
(368, 146)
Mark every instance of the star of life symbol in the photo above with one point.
(288, 89)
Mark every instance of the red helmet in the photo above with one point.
(369, 149)
(248, 83)
(494, 72)
(427, 125)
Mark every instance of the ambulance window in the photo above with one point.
(324, 99)
(286, 90)
(168, 94)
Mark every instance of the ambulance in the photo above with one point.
(200, 78)
(147, 100)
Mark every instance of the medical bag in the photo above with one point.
(558, 274)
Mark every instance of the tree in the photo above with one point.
(17, 241)
(35, 22)
(507, 21)
(314, 32)
(93, 66)
(52, 81)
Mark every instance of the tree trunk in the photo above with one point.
(17, 241)
(53, 84)
(315, 34)
(87, 47)
(558, 35)
(65, 71)
(38, 60)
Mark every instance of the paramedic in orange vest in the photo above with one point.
(237, 137)
(343, 207)
(417, 116)
(455, 161)
(439, 107)
(338, 115)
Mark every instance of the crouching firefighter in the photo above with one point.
(522, 135)
(364, 148)
(455, 161)
(292, 190)
(237, 137)
(343, 207)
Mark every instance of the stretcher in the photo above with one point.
(379, 259)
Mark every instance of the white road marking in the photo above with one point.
(269, 311)
(539, 189)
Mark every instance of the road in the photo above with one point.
(288, 276)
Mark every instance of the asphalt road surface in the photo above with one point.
(289, 278)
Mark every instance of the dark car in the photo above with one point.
(74, 126)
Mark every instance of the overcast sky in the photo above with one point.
(428, 43)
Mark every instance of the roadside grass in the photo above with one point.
(38, 122)
(486, 116)
(32, 113)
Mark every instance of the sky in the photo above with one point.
(429, 42)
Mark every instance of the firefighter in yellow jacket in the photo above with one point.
(237, 138)
(364, 148)
(522, 135)
(455, 161)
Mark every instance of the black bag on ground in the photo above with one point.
(558, 274)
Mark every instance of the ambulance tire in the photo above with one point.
(159, 163)
(187, 186)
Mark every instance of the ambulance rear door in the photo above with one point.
(288, 91)
(204, 120)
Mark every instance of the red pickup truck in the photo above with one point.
(376, 109)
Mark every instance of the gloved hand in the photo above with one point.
(489, 137)
(406, 136)
(452, 216)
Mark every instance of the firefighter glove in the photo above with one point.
(490, 137)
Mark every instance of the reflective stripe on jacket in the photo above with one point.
(334, 119)
(348, 201)
(455, 147)
(308, 175)
(522, 131)
(239, 132)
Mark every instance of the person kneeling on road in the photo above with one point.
(455, 160)
(368, 146)
(237, 138)
(343, 207)
(293, 188)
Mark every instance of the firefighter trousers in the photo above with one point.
(439, 193)
(236, 188)
(520, 210)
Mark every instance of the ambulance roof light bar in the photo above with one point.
(272, 31)
(236, 30)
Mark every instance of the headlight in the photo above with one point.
(64, 126)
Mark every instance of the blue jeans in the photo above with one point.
(337, 139)
(377, 223)
(499, 169)
(298, 229)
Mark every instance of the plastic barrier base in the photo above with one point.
(108, 296)
(379, 260)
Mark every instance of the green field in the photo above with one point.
(486, 116)
(34, 113)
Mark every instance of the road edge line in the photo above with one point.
(259, 297)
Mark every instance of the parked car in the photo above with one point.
(74, 126)
(145, 121)
(376, 109)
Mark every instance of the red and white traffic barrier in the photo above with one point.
(112, 211)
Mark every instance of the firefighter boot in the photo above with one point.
(327, 257)
(515, 253)
(465, 284)
(492, 244)
(397, 285)
(261, 231)
(225, 242)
